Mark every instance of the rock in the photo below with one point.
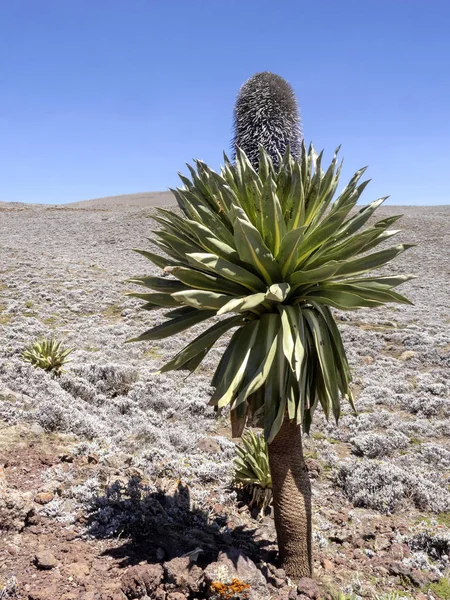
(382, 542)
(422, 578)
(209, 445)
(293, 594)
(66, 458)
(417, 578)
(135, 472)
(399, 551)
(183, 574)
(407, 355)
(141, 579)
(314, 467)
(368, 534)
(113, 595)
(309, 588)
(234, 565)
(341, 536)
(278, 583)
(36, 429)
(327, 564)
(78, 570)
(160, 594)
(45, 560)
(398, 569)
(43, 497)
(15, 509)
(176, 596)
(276, 578)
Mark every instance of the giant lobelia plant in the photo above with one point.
(266, 255)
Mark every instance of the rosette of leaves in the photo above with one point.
(272, 254)
(267, 254)
(47, 354)
(252, 471)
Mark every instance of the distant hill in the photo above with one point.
(142, 200)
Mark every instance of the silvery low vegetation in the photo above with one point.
(393, 458)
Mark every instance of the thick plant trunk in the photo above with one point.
(291, 500)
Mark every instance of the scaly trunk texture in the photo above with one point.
(291, 500)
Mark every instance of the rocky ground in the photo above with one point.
(115, 482)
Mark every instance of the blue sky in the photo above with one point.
(106, 97)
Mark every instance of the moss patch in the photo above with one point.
(4, 319)
(154, 353)
(444, 519)
(441, 588)
(113, 312)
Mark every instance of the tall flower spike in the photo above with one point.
(266, 113)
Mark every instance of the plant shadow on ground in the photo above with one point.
(159, 526)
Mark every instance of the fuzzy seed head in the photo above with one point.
(266, 113)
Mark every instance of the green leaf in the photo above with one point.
(202, 212)
(252, 250)
(351, 193)
(174, 326)
(236, 367)
(226, 358)
(372, 261)
(155, 299)
(179, 311)
(159, 284)
(170, 251)
(325, 353)
(328, 187)
(265, 169)
(275, 398)
(361, 217)
(293, 337)
(278, 292)
(295, 203)
(202, 299)
(179, 243)
(271, 222)
(344, 247)
(261, 358)
(288, 253)
(156, 259)
(202, 343)
(389, 281)
(340, 299)
(249, 185)
(342, 367)
(242, 304)
(211, 243)
(320, 235)
(226, 269)
(203, 281)
(316, 275)
(380, 294)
